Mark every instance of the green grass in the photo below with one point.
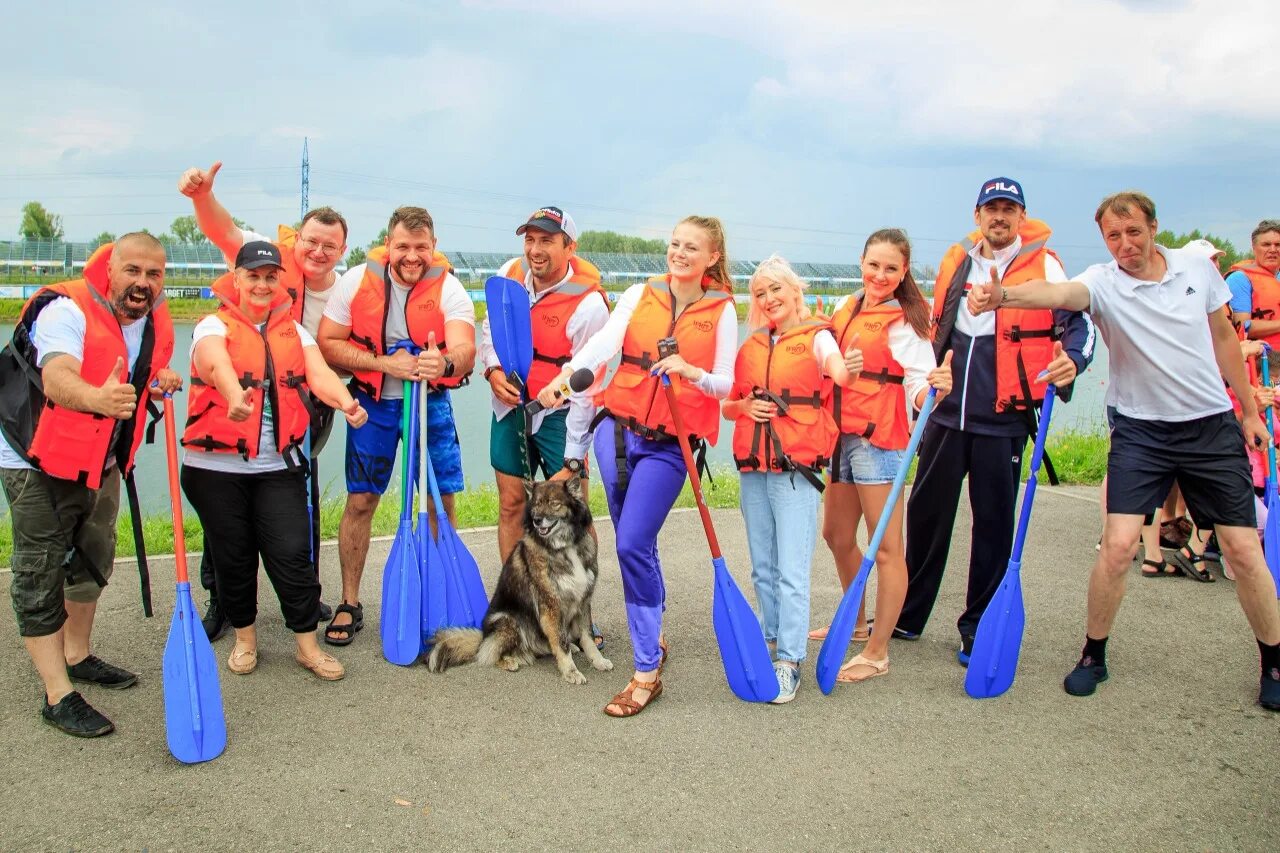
(477, 507)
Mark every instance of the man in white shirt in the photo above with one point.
(404, 293)
(1164, 316)
(310, 255)
(568, 307)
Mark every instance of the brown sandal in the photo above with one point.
(626, 699)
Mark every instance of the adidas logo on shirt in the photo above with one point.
(1190, 290)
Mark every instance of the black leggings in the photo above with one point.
(245, 515)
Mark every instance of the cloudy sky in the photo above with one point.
(804, 125)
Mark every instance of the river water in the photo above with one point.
(472, 415)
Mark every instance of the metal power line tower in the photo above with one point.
(306, 178)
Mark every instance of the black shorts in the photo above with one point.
(1205, 456)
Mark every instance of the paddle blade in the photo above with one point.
(998, 642)
(465, 599)
(195, 728)
(743, 651)
(401, 621)
(432, 568)
(834, 647)
(510, 325)
(1271, 535)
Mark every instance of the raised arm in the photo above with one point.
(214, 220)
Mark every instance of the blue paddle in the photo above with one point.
(431, 566)
(1271, 533)
(465, 601)
(401, 621)
(511, 330)
(195, 727)
(831, 655)
(510, 325)
(998, 641)
(743, 651)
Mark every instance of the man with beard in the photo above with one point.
(1000, 370)
(95, 345)
(404, 293)
(1163, 315)
(310, 254)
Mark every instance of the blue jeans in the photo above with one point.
(781, 515)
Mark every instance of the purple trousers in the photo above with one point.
(655, 473)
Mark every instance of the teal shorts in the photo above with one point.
(507, 447)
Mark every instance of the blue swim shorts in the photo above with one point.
(372, 449)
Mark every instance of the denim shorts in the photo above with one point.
(859, 461)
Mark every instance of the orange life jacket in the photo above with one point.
(73, 445)
(874, 406)
(1024, 337)
(422, 313)
(550, 315)
(270, 357)
(634, 397)
(291, 273)
(1266, 294)
(785, 372)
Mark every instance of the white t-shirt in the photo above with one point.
(587, 319)
(606, 343)
(268, 458)
(913, 352)
(313, 300)
(1162, 362)
(59, 329)
(454, 302)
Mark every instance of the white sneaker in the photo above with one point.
(788, 682)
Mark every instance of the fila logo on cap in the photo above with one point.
(1002, 187)
(265, 253)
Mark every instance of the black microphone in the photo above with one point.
(580, 380)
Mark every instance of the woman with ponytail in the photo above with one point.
(684, 325)
(884, 332)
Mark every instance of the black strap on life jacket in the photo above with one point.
(558, 361)
(882, 376)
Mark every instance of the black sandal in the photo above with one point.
(348, 631)
(1186, 560)
(1162, 569)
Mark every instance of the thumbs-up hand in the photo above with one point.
(431, 362)
(1061, 370)
(198, 182)
(355, 414)
(986, 297)
(940, 377)
(240, 406)
(819, 310)
(853, 357)
(117, 399)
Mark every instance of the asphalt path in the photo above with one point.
(1171, 754)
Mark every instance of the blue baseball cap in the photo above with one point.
(1001, 188)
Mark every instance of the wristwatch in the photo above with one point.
(576, 466)
(449, 367)
(489, 370)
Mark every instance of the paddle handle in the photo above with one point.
(420, 392)
(1029, 496)
(691, 466)
(1271, 420)
(901, 477)
(175, 492)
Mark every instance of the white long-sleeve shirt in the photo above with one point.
(587, 319)
(606, 343)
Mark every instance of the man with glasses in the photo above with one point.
(310, 254)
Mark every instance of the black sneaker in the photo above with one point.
(326, 612)
(76, 717)
(215, 621)
(965, 651)
(1085, 678)
(898, 633)
(1269, 694)
(94, 670)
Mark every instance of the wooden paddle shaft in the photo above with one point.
(692, 467)
(175, 493)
